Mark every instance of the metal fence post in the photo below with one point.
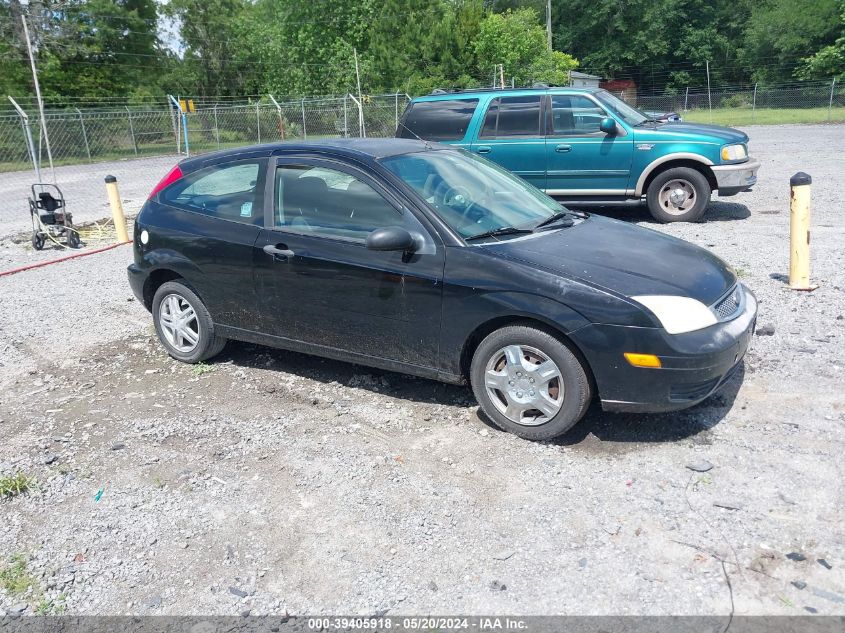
(345, 119)
(132, 130)
(304, 131)
(281, 120)
(184, 119)
(216, 127)
(84, 133)
(396, 111)
(709, 97)
(754, 104)
(830, 102)
(686, 99)
(30, 145)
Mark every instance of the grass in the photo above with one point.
(200, 369)
(15, 485)
(51, 607)
(15, 578)
(765, 116)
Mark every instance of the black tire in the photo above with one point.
(37, 241)
(72, 238)
(208, 344)
(664, 211)
(577, 390)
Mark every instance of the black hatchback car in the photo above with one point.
(424, 259)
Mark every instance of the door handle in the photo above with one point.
(278, 253)
(561, 149)
(484, 149)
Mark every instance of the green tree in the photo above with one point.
(829, 61)
(517, 41)
(782, 32)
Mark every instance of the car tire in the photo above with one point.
(680, 194)
(527, 351)
(177, 334)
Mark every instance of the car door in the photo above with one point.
(211, 218)
(511, 134)
(581, 159)
(321, 285)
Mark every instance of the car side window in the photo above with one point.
(575, 115)
(508, 117)
(328, 202)
(229, 191)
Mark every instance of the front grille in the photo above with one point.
(728, 306)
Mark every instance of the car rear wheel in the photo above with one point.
(680, 194)
(184, 325)
(529, 383)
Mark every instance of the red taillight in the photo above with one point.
(172, 176)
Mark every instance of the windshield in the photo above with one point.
(627, 113)
(471, 194)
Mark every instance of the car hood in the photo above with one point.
(623, 259)
(686, 131)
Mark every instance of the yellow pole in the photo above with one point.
(116, 209)
(799, 232)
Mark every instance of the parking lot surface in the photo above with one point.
(267, 481)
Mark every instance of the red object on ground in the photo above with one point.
(61, 259)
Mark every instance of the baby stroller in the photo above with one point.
(49, 218)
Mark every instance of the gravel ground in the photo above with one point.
(84, 189)
(269, 481)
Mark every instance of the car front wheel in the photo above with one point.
(529, 383)
(680, 194)
(184, 325)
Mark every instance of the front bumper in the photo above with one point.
(694, 365)
(732, 179)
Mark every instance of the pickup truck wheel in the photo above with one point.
(529, 383)
(680, 194)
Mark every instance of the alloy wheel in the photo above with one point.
(677, 196)
(179, 323)
(524, 384)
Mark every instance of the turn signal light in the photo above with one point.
(643, 360)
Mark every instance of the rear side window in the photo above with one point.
(229, 191)
(437, 120)
(512, 116)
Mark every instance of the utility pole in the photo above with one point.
(38, 96)
(361, 125)
(549, 23)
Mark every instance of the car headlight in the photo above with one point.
(734, 152)
(678, 314)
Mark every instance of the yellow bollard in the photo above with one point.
(116, 209)
(799, 232)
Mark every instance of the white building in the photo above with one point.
(583, 80)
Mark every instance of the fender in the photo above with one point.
(698, 158)
(168, 259)
(473, 315)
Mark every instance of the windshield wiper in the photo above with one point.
(505, 230)
(554, 218)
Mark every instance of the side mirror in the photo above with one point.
(608, 126)
(391, 238)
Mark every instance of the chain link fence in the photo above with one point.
(143, 142)
(809, 102)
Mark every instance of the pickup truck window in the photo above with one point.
(437, 120)
(512, 116)
(574, 115)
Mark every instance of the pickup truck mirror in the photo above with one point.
(608, 126)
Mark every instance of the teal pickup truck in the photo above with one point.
(587, 147)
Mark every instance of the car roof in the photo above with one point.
(361, 148)
(501, 92)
